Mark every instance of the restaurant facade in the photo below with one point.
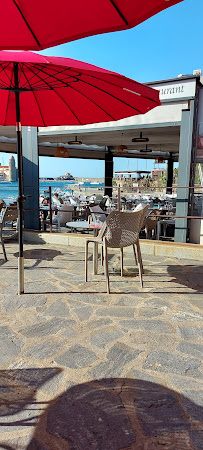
(175, 133)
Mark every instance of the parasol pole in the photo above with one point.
(20, 199)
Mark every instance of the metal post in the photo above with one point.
(169, 175)
(108, 186)
(50, 209)
(20, 185)
(185, 151)
(30, 178)
(119, 198)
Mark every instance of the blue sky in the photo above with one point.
(163, 47)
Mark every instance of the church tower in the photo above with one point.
(12, 169)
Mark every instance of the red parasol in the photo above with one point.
(36, 90)
(39, 24)
(62, 91)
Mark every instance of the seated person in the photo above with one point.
(45, 201)
(57, 200)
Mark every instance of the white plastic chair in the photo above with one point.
(97, 214)
(64, 215)
(120, 230)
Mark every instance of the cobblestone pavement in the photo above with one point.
(84, 370)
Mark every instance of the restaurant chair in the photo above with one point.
(65, 214)
(121, 229)
(150, 223)
(97, 214)
(9, 215)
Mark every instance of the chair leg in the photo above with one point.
(4, 251)
(135, 254)
(147, 234)
(59, 225)
(102, 256)
(121, 257)
(95, 258)
(138, 245)
(139, 264)
(86, 259)
(106, 266)
(3, 246)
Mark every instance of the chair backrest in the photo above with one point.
(74, 201)
(121, 229)
(97, 213)
(10, 214)
(2, 205)
(65, 214)
(66, 208)
(143, 215)
(12, 204)
(151, 220)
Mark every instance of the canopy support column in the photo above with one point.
(169, 175)
(31, 177)
(108, 178)
(185, 155)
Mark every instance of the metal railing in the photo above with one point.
(118, 194)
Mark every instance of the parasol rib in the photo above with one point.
(49, 75)
(94, 103)
(70, 86)
(92, 85)
(26, 22)
(119, 12)
(100, 89)
(34, 97)
(3, 69)
(51, 88)
(7, 107)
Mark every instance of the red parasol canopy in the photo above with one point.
(39, 24)
(62, 91)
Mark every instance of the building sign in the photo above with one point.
(180, 89)
(199, 154)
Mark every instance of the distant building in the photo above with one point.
(8, 173)
(65, 177)
(157, 173)
(4, 172)
(12, 169)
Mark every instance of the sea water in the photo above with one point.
(9, 189)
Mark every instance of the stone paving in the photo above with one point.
(84, 370)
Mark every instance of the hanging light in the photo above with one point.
(160, 160)
(121, 147)
(61, 152)
(140, 139)
(146, 150)
(75, 142)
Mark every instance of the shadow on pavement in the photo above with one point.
(110, 414)
(39, 255)
(190, 276)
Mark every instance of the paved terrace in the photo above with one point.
(84, 370)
